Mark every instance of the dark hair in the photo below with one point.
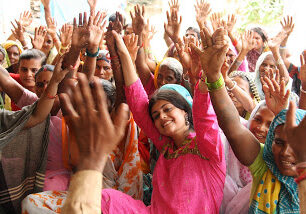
(196, 30)
(33, 54)
(46, 67)
(110, 92)
(112, 18)
(175, 99)
(261, 32)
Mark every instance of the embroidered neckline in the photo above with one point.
(189, 146)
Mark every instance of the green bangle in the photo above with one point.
(92, 54)
(215, 85)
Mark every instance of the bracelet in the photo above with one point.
(64, 48)
(282, 47)
(92, 54)
(235, 42)
(234, 86)
(215, 85)
(302, 176)
(302, 90)
(279, 62)
(51, 97)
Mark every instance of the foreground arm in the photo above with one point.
(45, 103)
(97, 136)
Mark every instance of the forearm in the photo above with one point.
(129, 72)
(44, 105)
(10, 86)
(56, 41)
(302, 102)
(302, 196)
(243, 143)
(118, 76)
(247, 102)
(90, 63)
(238, 61)
(167, 40)
(280, 65)
(238, 45)
(141, 65)
(47, 14)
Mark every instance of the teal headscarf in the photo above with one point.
(179, 89)
(288, 201)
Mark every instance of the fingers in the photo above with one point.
(67, 108)
(77, 99)
(85, 90)
(290, 116)
(207, 37)
(196, 49)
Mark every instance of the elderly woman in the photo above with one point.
(13, 50)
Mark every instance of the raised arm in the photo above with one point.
(10, 86)
(203, 10)
(245, 146)
(95, 31)
(96, 137)
(138, 23)
(302, 104)
(136, 96)
(45, 103)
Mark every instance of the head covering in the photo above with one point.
(286, 200)
(103, 55)
(244, 65)
(255, 110)
(172, 63)
(247, 76)
(10, 43)
(179, 89)
(257, 81)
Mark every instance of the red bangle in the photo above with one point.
(51, 97)
(302, 176)
(141, 45)
(114, 57)
(235, 42)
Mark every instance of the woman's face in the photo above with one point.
(42, 81)
(13, 54)
(103, 70)
(260, 123)
(258, 41)
(2, 57)
(168, 119)
(47, 45)
(267, 67)
(230, 57)
(165, 76)
(283, 154)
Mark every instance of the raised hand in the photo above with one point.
(203, 10)
(80, 33)
(287, 25)
(148, 33)
(26, 18)
(52, 26)
(275, 42)
(212, 56)
(66, 34)
(18, 32)
(215, 20)
(173, 26)
(39, 37)
(92, 4)
(303, 72)
(118, 24)
(131, 41)
(247, 41)
(96, 133)
(95, 28)
(276, 95)
(296, 135)
(231, 21)
(173, 4)
(184, 53)
(138, 20)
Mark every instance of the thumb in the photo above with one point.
(197, 50)
(290, 116)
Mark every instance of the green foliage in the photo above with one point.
(261, 12)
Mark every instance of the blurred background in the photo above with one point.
(266, 13)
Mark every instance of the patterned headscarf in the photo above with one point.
(10, 43)
(287, 200)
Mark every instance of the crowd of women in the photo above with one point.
(92, 123)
